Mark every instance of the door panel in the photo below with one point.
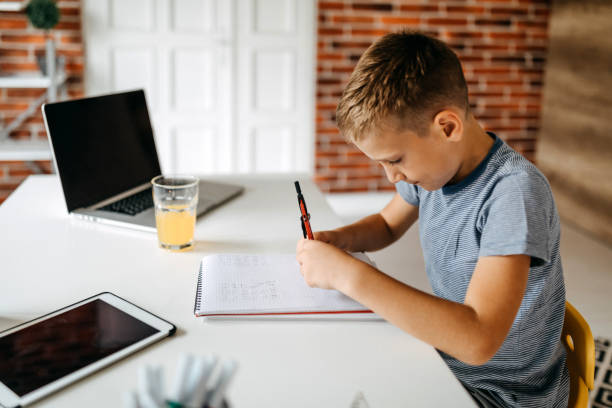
(229, 83)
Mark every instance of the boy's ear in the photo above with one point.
(449, 124)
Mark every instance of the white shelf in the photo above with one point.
(29, 81)
(12, 5)
(25, 150)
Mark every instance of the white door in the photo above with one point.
(229, 83)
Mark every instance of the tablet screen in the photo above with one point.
(48, 350)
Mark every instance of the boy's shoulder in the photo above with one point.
(503, 172)
(508, 171)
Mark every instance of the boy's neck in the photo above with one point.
(477, 144)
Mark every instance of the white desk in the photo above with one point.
(49, 260)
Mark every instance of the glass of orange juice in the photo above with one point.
(176, 199)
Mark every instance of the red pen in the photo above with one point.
(305, 218)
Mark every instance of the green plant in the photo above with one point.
(43, 13)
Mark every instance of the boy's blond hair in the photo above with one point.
(405, 76)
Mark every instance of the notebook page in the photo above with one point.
(266, 283)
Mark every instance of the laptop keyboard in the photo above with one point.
(133, 204)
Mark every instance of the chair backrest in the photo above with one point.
(578, 341)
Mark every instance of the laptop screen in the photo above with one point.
(103, 146)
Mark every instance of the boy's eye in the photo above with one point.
(392, 162)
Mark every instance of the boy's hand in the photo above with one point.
(322, 265)
(333, 237)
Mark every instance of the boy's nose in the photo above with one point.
(393, 175)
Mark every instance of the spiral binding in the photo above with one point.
(198, 297)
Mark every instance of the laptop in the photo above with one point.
(104, 152)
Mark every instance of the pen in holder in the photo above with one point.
(200, 382)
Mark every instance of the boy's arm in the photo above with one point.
(471, 331)
(375, 231)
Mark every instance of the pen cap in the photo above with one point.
(297, 187)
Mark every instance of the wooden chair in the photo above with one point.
(578, 341)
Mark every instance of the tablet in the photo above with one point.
(48, 353)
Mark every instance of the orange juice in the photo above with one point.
(175, 226)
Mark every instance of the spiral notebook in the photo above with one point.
(235, 285)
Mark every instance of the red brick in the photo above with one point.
(509, 59)
(472, 58)
(510, 35)
(330, 31)
(12, 106)
(349, 165)
(352, 19)
(76, 94)
(531, 48)
(24, 39)
(502, 106)
(401, 20)
(351, 44)
(490, 47)
(328, 81)
(326, 106)
(342, 69)
(328, 131)
(532, 24)
(32, 120)
(492, 70)
(20, 172)
(74, 67)
(452, 34)
(492, 22)
(328, 5)
(373, 6)
(18, 93)
(13, 23)
(347, 189)
(369, 32)
(329, 56)
(69, 12)
(21, 134)
(70, 53)
(10, 185)
(486, 94)
(421, 8)
(68, 25)
(524, 116)
(71, 39)
(4, 52)
(513, 11)
(465, 9)
(447, 21)
(15, 66)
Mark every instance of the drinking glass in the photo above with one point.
(176, 199)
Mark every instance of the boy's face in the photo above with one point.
(429, 161)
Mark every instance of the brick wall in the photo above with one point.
(19, 45)
(502, 46)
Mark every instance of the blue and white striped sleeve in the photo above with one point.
(516, 219)
(409, 192)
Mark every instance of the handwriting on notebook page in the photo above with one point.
(240, 292)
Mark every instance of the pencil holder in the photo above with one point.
(199, 382)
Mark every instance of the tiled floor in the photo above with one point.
(587, 263)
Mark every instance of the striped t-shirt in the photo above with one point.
(503, 207)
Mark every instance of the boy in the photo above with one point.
(488, 226)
